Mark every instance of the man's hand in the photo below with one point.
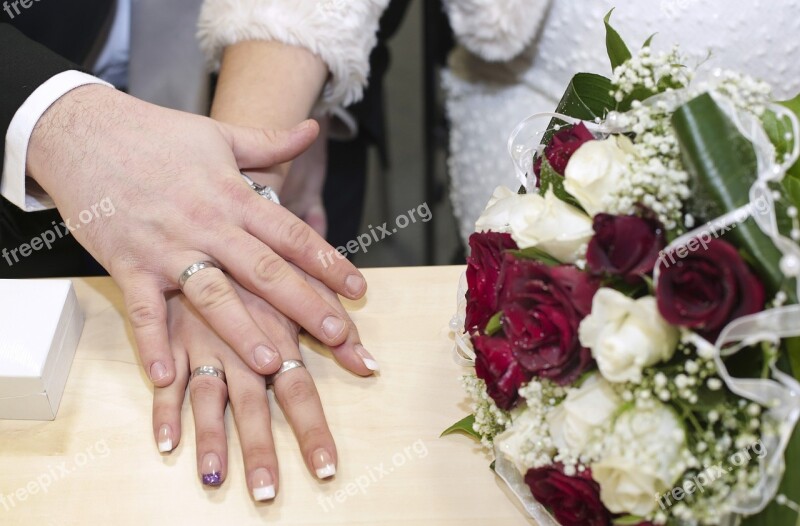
(174, 182)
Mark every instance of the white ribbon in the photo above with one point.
(509, 473)
(463, 353)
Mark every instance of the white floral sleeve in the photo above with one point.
(496, 30)
(341, 32)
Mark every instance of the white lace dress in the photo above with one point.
(540, 44)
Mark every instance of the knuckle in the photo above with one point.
(206, 390)
(210, 436)
(298, 391)
(260, 453)
(272, 137)
(144, 314)
(314, 434)
(297, 234)
(249, 403)
(212, 291)
(270, 267)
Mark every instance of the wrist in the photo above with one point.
(61, 131)
(267, 84)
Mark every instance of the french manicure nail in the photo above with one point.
(367, 358)
(355, 284)
(263, 485)
(323, 464)
(332, 326)
(164, 439)
(158, 371)
(212, 470)
(264, 356)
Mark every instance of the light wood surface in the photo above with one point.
(97, 462)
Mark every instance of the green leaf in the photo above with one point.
(794, 106)
(722, 165)
(536, 254)
(588, 97)
(628, 520)
(792, 186)
(462, 426)
(775, 514)
(792, 346)
(494, 325)
(549, 178)
(618, 52)
(649, 40)
(638, 93)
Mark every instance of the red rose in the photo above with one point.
(483, 269)
(563, 144)
(574, 501)
(495, 364)
(625, 246)
(708, 288)
(542, 309)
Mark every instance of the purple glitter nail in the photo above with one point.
(212, 479)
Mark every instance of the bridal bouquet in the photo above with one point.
(631, 312)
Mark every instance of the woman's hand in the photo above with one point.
(173, 179)
(195, 344)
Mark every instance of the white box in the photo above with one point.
(40, 325)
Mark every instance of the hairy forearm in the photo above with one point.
(59, 137)
(267, 84)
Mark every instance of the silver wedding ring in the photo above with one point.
(287, 365)
(264, 191)
(209, 370)
(192, 270)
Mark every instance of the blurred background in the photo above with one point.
(414, 112)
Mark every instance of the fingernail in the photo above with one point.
(263, 486)
(367, 358)
(355, 284)
(332, 326)
(212, 470)
(165, 439)
(158, 371)
(323, 464)
(264, 356)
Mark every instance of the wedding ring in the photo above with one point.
(209, 370)
(264, 191)
(193, 269)
(287, 365)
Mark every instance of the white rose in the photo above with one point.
(552, 225)
(643, 458)
(497, 214)
(596, 170)
(546, 222)
(515, 440)
(626, 335)
(586, 409)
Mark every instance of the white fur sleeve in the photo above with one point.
(496, 30)
(341, 32)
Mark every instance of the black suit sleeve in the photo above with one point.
(24, 66)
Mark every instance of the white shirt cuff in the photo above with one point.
(13, 184)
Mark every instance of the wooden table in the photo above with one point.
(97, 463)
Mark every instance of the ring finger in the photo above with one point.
(215, 299)
(209, 397)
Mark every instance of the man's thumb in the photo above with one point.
(263, 148)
